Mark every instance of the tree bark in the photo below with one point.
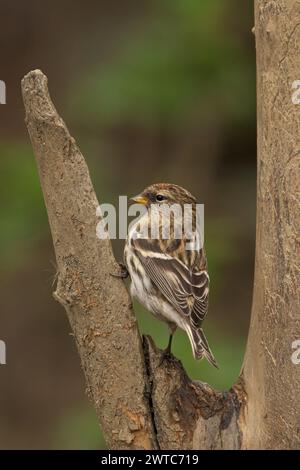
(272, 381)
(142, 401)
(98, 306)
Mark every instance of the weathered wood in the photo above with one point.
(98, 305)
(272, 381)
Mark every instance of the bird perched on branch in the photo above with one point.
(168, 271)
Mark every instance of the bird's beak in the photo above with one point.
(140, 199)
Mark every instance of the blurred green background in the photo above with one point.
(153, 91)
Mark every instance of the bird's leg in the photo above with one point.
(166, 354)
(172, 328)
(168, 348)
(123, 274)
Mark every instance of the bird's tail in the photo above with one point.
(200, 345)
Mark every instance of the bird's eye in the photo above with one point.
(160, 197)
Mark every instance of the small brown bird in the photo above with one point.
(170, 280)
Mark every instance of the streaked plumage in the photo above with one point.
(169, 280)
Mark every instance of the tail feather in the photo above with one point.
(200, 345)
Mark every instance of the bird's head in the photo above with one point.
(164, 193)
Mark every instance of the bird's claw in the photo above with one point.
(123, 274)
(166, 355)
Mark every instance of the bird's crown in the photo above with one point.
(164, 192)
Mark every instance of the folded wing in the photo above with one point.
(185, 285)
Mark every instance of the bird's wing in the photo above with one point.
(186, 287)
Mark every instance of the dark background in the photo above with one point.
(152, 91)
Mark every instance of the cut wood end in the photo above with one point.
(36, 96)
(35, 82)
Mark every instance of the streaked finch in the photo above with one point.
(169, 279)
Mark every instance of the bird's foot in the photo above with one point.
(123, 274)
(166, 355)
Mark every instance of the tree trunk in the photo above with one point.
(98, 306)
(272, 381)
(143, 402)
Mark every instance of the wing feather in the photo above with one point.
(185, 287)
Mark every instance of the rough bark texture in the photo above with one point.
(190, 414)
(143, 401)
(98, 305)
(272, 381)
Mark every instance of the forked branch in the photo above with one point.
(141, 401)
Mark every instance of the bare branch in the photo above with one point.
(98, 306)
(141, 403)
